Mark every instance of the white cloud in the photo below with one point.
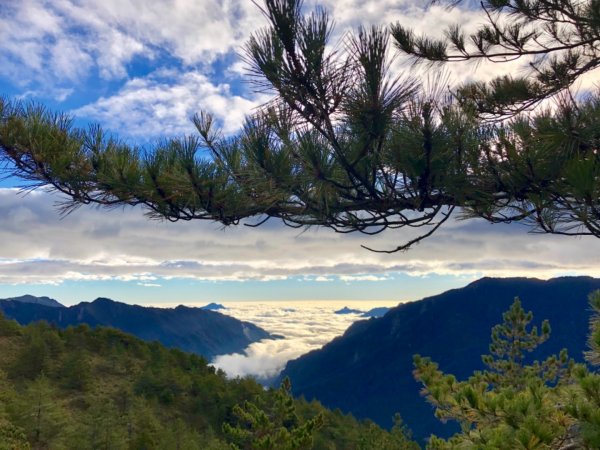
(155, 285)
(305, 326)
(92, 244)
(50, 46)
(54, 48)
(362, 277)
(54, 42)
(322, 279)
(163, 103)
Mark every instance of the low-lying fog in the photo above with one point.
(304, 326)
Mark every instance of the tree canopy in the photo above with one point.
(515, 403)
(347, 143)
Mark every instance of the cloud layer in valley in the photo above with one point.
(305, 326)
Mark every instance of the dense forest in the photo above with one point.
(83, 388)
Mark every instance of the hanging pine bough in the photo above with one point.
(560, 37)
(344, 144)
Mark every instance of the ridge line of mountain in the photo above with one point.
(367, 371)
(201, 331)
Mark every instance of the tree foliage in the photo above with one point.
(516, 404)
(143, 396)
(348, 144)
(511, 341)
(274, 426)
(559, 39)
(584, 403)
(399, 438)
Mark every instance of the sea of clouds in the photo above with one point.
(304, 326)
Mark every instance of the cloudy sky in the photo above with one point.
(141, 69)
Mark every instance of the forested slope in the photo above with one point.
(83, 388)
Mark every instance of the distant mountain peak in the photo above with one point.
(213, 307)
(376, 312)
(45, 301)
(104, 300)
(346, 310)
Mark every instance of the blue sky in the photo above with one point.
(142, 69)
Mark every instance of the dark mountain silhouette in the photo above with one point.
(376, 312)
(207, 333)
(46, 301)
(368, 370)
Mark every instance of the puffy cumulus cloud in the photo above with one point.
(164, 102)
(59, 48)
(90, 244)
(46, 45)
(350, 14)
(108, 35)
(64, 40)
(432, 21)
(304, 326)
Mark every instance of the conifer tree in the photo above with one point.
(584, 402)
(513, 404)
(39, 414)
(272, 426)
(12, 437)
(511, 341)
(33, 359)
(593, 355)
(557, 38)
(399, 438)
(76, 370)
(102, 428)
(348, 144)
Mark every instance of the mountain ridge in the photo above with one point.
(27, 298)
(207, 333)
(368, 370)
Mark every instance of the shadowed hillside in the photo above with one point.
(207, 333)
(368, 370)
